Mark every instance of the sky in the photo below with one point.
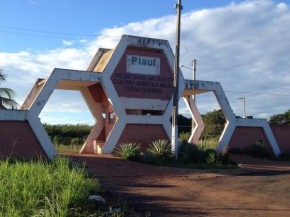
(244, 45)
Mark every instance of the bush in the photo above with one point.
(211, 158)
(159, 153)
(129, 151)
(161, 149)
(190, 153)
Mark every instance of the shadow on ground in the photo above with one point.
(259, 188)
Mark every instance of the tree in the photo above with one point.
(6, 95)
(214, 123)
(184, 124)
(281, 119)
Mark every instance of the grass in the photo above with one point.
(45, 189)
(209, 143)
(68, 148)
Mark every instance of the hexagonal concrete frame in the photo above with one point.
(196, 117)
(193, 87)
(101, 74)
(42, 90)
(129, 106)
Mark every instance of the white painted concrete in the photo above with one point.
(79, 80)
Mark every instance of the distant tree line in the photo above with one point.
(281, 119)
(68, 134)
(214, 121)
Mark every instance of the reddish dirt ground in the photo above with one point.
(258, 188)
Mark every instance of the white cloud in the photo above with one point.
(23, 68)
(67, 43)
(66, 107)
(244, 46)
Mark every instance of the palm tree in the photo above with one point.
(6, 95)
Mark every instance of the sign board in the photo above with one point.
(143, 65)
(143, 74)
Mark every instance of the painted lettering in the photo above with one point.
(146, 65)
(143, 61)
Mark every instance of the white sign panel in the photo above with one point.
(143, 65)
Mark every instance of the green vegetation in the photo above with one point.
(197, 154)
(189, 155)
(70, 138)
(184, 136)
(54, 189)
(68, 148)
(130, 151)
(6, 95)
(214, 124)
(184, 124)
(281, 119)
(68, 135)
(160, 149)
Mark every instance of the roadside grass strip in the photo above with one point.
(40, 188)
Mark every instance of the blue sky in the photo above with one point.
(242, 44)
(41, 25)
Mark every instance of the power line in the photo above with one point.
(259, 93)
(41, 33)
(35, 35)
(46, 32)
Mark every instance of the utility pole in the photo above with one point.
(194, 74)
(174, 139)
(193, 96)
(244, 101)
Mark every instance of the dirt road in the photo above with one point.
(259, 188)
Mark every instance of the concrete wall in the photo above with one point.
(142, 134)
(282, 135)
(246, 136)
(18, 140)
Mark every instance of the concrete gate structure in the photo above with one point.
(128, 90)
